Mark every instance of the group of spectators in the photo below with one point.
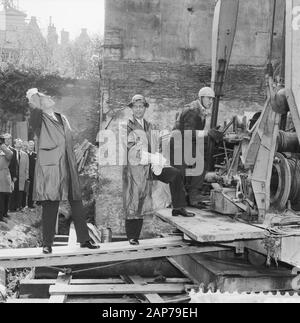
(21, 158)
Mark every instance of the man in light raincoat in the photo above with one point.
(144, 165)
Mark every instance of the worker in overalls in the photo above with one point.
(56, 175)
(193, 118)
(144, 165)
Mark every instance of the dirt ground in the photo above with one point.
(22, 230)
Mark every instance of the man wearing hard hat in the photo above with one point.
(193, 118)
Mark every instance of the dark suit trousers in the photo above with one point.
(16, 198)
(49, 217)
(30, 194)
(174, 178)
(4, 201)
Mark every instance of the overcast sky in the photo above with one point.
(72, 15)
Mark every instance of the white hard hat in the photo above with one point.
(208, 92)
(136, 98)
(32, 92)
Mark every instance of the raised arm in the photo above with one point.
(8, 153)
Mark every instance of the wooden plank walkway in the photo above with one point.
(207, 227)
(111, 252)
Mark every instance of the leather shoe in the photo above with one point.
(89, 245)
(134, 242)
(47, 250)
(182, 212)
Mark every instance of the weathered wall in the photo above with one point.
(179, 31)
(162, 81)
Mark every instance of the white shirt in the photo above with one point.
(141, 122)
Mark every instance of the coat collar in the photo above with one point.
(133, 124)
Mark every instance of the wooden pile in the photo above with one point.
(82, 153)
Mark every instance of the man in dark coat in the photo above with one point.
(144, 165)
(32, 160)
(193, 118)
(56, 175)
(23, 175)
(14, 170)
(5, 178)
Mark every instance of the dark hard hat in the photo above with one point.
(137, 98)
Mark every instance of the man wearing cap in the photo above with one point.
(5, 178)
(56, 175)
(146, 164)
(193, 118)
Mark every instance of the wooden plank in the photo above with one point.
(210, 227)
(101, 258)
(151, 298)
(62, 281)
(103, 300)
(70, 251)
(177, 299)
(127, 289)
(101, 281)
(75, 281)
(97, 257)
(28, 301)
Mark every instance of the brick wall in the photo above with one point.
(160, 81)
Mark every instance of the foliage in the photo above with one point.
(15, 83)
(81, 59)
